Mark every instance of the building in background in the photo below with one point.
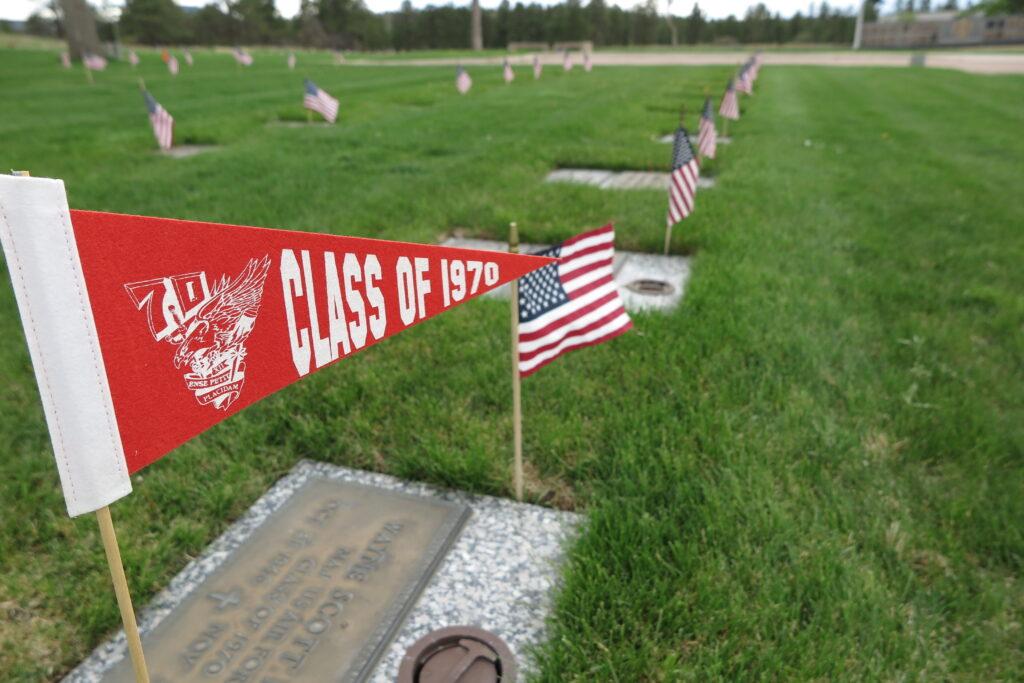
(943, 29)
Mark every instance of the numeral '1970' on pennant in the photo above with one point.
(144, 332)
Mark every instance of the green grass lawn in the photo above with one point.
(811, 470)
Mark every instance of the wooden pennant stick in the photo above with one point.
(668, 237)
(517, 405)
(124, 598)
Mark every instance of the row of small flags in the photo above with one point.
(463, 82)
(574, 302)
(95, 62)
(682, 190)
(314, 99)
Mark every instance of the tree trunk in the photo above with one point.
(80, 28)
(476, 33)
(672, 25)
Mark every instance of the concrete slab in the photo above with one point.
(622, 180)
(183, 151)
(300, 124)
(635, 275)
(498, 574)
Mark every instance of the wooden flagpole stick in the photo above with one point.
(668, 237)
(124, 598)
(517, 405)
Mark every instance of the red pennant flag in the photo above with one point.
(145, 332)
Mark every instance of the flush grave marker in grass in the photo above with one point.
(618, 180)
(645, 281)
(333, 573)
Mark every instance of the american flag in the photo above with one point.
(291, 60)
(588, 66)
(682, 186)
(536, 67)
(507, 73)
(320, 102)
(133, 58)
(162, 122)
(745, 81)
(94, 62)
(242, 57)
(730, 108)
(65, 60)
(172, 65)
(567, 61)
(707, 136)
(462, 81)
(188, 58)
(571, 303)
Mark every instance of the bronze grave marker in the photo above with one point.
(315, 594)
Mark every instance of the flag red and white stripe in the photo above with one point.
(172, 65)
(507, 73)
(133, 58)
(161, 121)
(743, 81)
(572, 303)
(188, 58)
(242, 57)
(707, 136)
(94, 62)
(462, 81)
(682, 187)
(567, 61)
(730, 107)
(319, 101)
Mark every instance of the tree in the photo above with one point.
(694, 25)
(672, 24)
(257, 21)
(597, 17)
(153, 22)
(476, 33)
(80, 28)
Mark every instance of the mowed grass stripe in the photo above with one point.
(810, 470)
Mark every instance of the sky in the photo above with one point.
(21, 9)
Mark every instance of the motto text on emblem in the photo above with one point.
(208, 327)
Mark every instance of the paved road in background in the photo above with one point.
(973, 62)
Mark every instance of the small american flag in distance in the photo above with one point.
(571, 303)
(172, 65)
(507, 73)
(319, 101)
(94, 62)
(707, 136)
(462, 81)
(682, 186)
(730, 108)
(744, 83)
(162, 122)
